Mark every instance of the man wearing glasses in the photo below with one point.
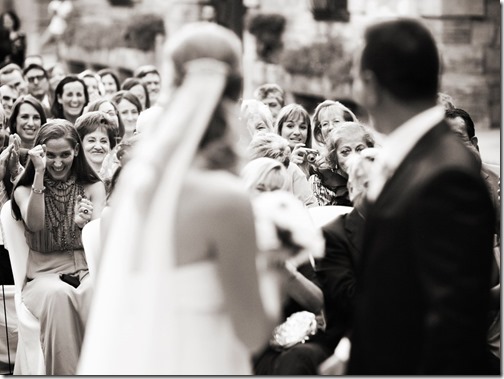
(38, 85)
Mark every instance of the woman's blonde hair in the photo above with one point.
(250, 107)
(335, 135)
(348, 115)
(266, 171)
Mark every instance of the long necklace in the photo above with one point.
(60, 200)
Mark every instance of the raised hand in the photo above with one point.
(13, 163)
(4, 158)
(298, 153)
(38, 157)
(83, 211)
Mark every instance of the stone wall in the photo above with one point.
(467, 33)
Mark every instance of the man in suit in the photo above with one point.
(424, 275)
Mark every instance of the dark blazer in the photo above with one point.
(336, 273)
(423, 286)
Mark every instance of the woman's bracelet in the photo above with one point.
(38, 191)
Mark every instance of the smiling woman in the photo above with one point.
(70, 98)
(98, 134)
(57, 194)
(293, 123)
(26, 118)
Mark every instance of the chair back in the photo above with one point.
(15, 242)
(29, 355)
(91, 244)
(324, 214)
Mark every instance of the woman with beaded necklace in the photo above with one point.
(57, 194)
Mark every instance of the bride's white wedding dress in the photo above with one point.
(208, 345)
(189, 333)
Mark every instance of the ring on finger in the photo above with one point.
(85, 211)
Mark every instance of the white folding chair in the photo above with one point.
(29, 355)
(91, 244)
(324, 214)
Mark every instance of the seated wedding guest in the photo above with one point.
(337, 270)
(463, 126)
(110, 82)
(70, 98)
(271, 145)
(328, 115)
(110, 108)
(293, 348)
(12, 74)
(93, 84)
(272, 95)
(8, 95)
(152, 79)
(264, 175)
(111, 160)
(293, 123)
(129, 108)
(137, 88)
(37, 79)
(26, 119)
(57, 194)
(329, 180)
(98, 135)
(200, 309)
(256, 116)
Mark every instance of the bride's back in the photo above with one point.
(210, 203)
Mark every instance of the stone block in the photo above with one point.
(492, 60)
(458, 31)
(463, 59)
(483, 33)
(452, 8)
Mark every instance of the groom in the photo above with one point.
(423, 285)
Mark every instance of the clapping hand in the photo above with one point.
(13, 162)
(4, 158)
(83, 211)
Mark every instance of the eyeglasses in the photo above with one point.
(31, 79)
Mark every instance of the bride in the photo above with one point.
(177, 290)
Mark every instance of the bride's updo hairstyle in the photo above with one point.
(203, 41)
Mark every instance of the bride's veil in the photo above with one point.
(131, 329)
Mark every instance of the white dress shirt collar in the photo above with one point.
(398, 144)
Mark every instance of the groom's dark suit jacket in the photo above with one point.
(423, 282)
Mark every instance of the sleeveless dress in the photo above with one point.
(60, 308)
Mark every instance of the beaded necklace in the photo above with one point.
(60, 200)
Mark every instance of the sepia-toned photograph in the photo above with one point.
(250, 187)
